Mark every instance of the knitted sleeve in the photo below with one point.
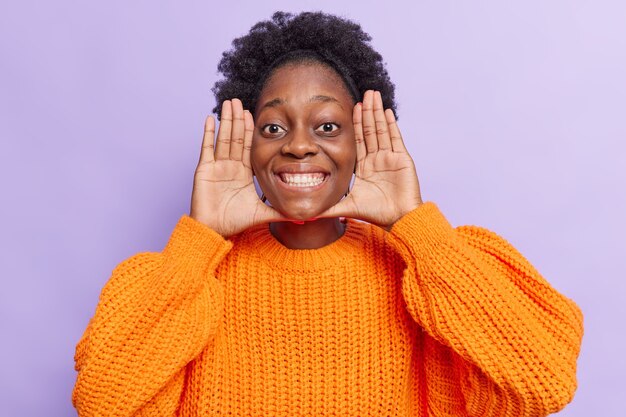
(499, 340)
(156, 313)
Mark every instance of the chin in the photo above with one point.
(302, 212)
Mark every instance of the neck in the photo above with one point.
(309, 235)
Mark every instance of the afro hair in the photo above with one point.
(306, 37)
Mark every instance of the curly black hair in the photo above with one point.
(306, 37)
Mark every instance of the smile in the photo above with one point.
(302, 180)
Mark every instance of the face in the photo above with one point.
(303, 151)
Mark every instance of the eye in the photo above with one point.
(272, 129)
(328, 127)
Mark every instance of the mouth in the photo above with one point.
(302, 180)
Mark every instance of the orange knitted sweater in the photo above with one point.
(426, 320)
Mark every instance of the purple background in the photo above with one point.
(514, 114)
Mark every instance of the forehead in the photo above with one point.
(304, 80)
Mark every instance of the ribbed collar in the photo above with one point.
(261, 241)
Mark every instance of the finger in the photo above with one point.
(369, 125)
(397, 144)
(206, 153)
(236, 137)
(357, 120)
(247, 138)
(382, 131)
(222, 145)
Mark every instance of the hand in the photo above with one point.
(224, 197)
(386, 185)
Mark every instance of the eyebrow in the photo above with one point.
(325, 99)
(274, 103)
(319, 98)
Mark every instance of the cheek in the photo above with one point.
(347, 154)
(257, 156)
(343, 155)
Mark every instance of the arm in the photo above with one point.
(156, 313)
(497, 332)
(159, 310)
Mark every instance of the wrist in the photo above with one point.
(403, 212)
(208, 223)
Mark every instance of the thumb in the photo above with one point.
(267, 214)
(344, 208)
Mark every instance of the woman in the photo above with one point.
(275, 306)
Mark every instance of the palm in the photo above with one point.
(380, 184)
(224, 197)
(227, 188)
(386, 185)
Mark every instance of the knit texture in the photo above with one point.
(426, 320)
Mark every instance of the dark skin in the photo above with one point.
(304, 129)
(308, 139)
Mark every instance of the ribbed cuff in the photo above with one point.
(421, 230)
(197, 244)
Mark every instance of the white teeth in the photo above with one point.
(303, 180)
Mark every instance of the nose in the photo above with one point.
(300, 144)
